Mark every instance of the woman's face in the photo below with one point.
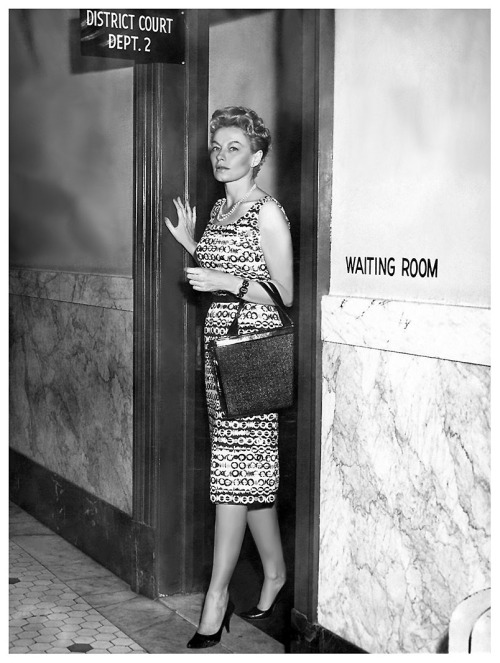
(231, 154)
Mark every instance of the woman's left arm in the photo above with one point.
(276, 244)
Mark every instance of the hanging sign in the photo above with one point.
(142, 35)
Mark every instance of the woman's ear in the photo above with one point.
(257, 158)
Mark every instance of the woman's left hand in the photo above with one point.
(210, 280)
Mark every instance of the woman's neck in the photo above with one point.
(236, 190)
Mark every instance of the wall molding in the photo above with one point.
(94, 526)
(308, 638)
(101, 290)
(456, 333)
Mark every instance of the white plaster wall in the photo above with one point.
(412, 151)
(71, 150)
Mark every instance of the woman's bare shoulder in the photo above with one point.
(271, 211)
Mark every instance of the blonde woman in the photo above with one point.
(247, 240)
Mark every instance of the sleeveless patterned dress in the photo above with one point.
(244, 465)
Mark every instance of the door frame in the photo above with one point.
(150, 108)
(315, 244)
(157, 179)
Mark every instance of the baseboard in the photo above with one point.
(310, 638)
(99, 529)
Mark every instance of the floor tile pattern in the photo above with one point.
(62, 601)
(46, 616)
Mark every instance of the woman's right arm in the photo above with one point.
(186, 222)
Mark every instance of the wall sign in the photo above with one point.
(142, 35)
(374, 265)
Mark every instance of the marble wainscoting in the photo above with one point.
(405, 470)
(71, 369)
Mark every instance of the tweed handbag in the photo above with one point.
(254, 372)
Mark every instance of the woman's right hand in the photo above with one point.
(186, 222)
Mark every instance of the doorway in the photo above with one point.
(172, 514)
(264, 79)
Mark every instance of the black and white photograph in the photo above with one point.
(249, 329)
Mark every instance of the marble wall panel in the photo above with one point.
(114, 292)
(460, 333)
(71, 381)
(405, 495)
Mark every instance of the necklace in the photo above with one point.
(222, 217)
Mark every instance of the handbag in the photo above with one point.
(254, 372)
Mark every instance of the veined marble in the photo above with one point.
(102, 290)
(405, 495)
(458, 333)
(71, 385)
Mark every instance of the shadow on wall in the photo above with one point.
(442, 647)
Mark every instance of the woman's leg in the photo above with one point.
(263, 524)
(230, 525)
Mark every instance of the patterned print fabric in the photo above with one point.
(244, 466)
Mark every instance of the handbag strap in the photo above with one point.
(273, 292)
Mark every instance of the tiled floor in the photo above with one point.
(61, 601)
(49, 617)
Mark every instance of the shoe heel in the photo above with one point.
(256, 613)
(227, 616)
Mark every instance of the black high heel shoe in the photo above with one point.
(200, 641)
(257, 613)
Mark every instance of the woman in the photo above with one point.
(246, 240)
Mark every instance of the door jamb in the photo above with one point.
(316, 195)
(147, 199)
(151, 107)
